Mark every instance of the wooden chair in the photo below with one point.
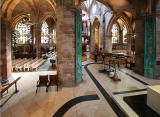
(53, 81)
(43, 82)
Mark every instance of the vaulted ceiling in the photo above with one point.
(41, 8)
(37, 8)
(127, 6)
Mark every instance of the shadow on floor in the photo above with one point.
(139, 104)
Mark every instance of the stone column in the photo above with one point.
(6, 65)
(108, 44)
(32, 33)
(51, 36)
(120, 36)
(129, 37)
(139, 45)
(103, 35)
(37, 37)
(65, 44)
(92, 40)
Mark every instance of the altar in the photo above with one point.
(153, 98)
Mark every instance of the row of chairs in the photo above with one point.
(110, 56)
(47, 81)
(27, 64)
(121, 61)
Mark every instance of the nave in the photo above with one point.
(27, 103)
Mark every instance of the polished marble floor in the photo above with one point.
(26, 103)
(46, 66)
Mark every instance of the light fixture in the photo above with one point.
(28, 21)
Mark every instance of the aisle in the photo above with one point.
(47, 66)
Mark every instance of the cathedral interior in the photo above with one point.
(80, 58)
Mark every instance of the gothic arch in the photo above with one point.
(101, 1)
(108, 33)
(8, 7)
(44, 18)
(114, 19)
(95, 41)
(16, 19)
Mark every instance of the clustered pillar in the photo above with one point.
(37, 37)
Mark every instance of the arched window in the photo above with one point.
(124, 30)
(44, 33)
(22, 33)
(115, 33)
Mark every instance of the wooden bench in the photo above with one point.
(9, 85)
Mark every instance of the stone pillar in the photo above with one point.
(6, 65)
(158, 37)
(108, 44)
(120, 36)
(139, 45)
(65, 44)
(129, 37)
(37, 37)
(103, 34)
(92, 40)
(51, 35)
(32, 33)
(158, 45)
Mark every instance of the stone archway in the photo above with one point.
(95, 35)
(114, 20)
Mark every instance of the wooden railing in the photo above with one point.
(10, 85)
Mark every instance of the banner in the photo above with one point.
(150, 48)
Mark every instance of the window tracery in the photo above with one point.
(22, 33)
(44, 33)
(115, 33)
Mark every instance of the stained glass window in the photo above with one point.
(124, 34)
(44, 33)
(22, 33)
(54, 35)
(114, 33)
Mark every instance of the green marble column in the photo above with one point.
(78, 46)
(150, 48)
